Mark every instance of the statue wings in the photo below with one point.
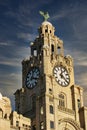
(45, 15)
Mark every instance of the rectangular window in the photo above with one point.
(17, 123)
(79, 103)
(61, 100)
(51, 124)
(35, 52)
(61, 103)
(51, 109)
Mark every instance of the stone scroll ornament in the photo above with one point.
(45, 15)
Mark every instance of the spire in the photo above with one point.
(45, 15)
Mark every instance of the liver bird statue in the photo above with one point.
(45, 15)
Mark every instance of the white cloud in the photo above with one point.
(26, 36)
(82, 79)
(80, 27)
(8, 43)
(4, 44)
(15, 61)
(10, 82)
(77, 18)
(11, 62)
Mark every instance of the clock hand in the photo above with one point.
(63, 77)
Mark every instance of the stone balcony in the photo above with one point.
(66, 110)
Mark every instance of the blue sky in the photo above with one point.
(19, 21)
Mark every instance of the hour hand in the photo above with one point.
(62, 76)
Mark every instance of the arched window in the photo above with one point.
(62, 99)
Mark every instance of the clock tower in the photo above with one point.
(49, 95)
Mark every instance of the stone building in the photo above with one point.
(5, 110)
(11, 120)
(49, 95)
(19, 122)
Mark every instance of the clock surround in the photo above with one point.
(61, 76)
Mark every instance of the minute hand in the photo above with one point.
(62, 76)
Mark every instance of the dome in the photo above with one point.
(46, 23)
(0, 96)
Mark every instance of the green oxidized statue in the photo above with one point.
(45, 15)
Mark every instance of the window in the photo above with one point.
(52, 48)
(35, 52)
(5, 116)
(79, 103)
(42, 125)
(62, 100)
(41, 110)
(51, 124)
(17, 123)
(58, 49)
(51, 109)
(50, 90)
(46, 30)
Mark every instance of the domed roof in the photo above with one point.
(0, 96)
(46, 23)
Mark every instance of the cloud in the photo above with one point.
(5, 44)
(26, 36)
(81, 31)
(10, 81)
(75, 17)
(17, 55)
(10, 62)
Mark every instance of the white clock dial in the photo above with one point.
(32, 77)
(61, 75)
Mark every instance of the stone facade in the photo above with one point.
(11, 120)
(20, 122)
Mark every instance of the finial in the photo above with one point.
(45, 15)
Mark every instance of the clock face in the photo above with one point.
(32, 77)
(61, 76)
